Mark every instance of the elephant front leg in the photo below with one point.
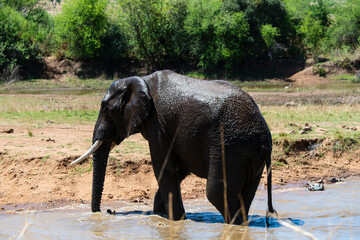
(169, 186)
(159, 204)
(168, 197)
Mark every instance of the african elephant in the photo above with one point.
(212, 129)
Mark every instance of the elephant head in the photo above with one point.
(124, 108)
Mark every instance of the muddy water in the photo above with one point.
(331, 214)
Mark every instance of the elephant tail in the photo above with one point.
(271, 211)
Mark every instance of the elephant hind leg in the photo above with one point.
(241, 184)
(216, 194)
(248, 193)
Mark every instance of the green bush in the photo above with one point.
(199, 25)
(82, 25)
(345, 29)
(155, 30)
(217, 36)
(269, 34)
(213, 35)
(231, 32)
(113, 43)
(19, 48)
(144, 23)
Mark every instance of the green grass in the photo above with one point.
(42, 85)
(133, 147)
(344, 77)
(68, 108)
(43, 109)
(61, 117)
(45, 158)
(284, 122)
(83, 168)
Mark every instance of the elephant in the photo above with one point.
(212, 129)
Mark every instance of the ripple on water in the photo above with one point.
(334, 212)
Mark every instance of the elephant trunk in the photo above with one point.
(100, 157)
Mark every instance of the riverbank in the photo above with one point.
(316, 136)
(35, 170)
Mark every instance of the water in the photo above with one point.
(331, 214)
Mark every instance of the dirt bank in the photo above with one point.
(36, 169)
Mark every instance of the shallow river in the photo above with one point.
(330, 214)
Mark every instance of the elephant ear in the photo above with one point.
(138, 105)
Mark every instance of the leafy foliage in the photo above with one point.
(82, 24)
(155, 30)
(24, 27)
(269, 34)
(144, 21)
(346, 27)
(210, 35)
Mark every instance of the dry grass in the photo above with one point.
(327, 121)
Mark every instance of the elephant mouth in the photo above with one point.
(92, 149)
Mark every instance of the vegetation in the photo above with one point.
(285, 122)
(81, 26)
(203, 35)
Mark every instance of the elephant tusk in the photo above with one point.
(93, 148)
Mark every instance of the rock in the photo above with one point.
(282, 160)
(291, 104)
(8, 131)
(50, 140)
(316, 187)
(333, 180)
(292, 124)
(306, 129)
(322, 130)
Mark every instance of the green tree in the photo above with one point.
(345, 29)
(155, 30)
(313, 32)
(231, 31)
(269, 34)
(81, 25)
(144, 23)
(199, 25)
(176, 38)
(259, 13)
(24, 30)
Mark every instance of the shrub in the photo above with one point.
(18, 49)
(155, 30)
(345, 29)
(217, 35)
(81, 25)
